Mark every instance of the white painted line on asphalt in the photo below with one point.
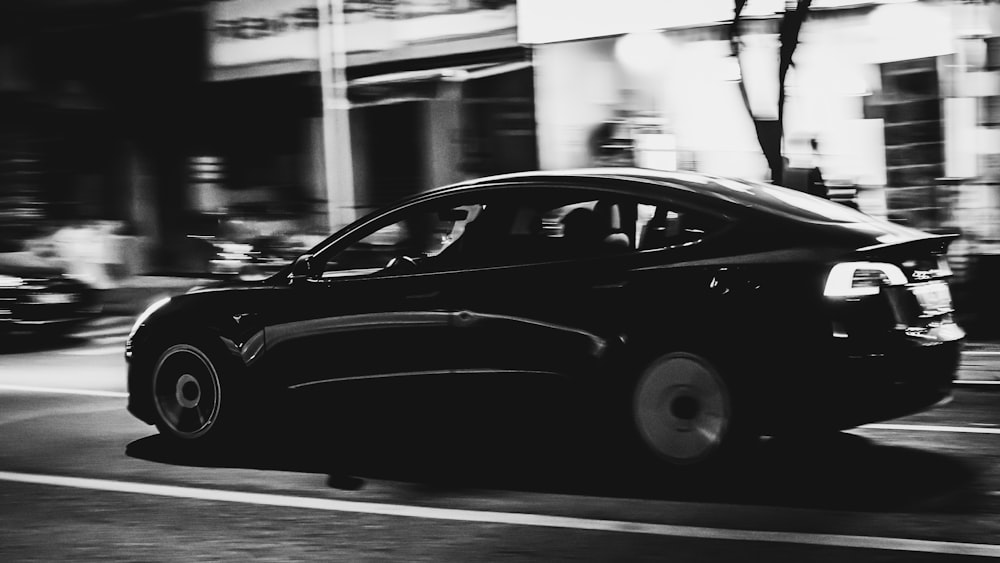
(63, 391)
(932, 428)
(509, 518)
(977, 382)
(981, 352)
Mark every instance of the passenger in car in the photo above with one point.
(581, 229)
(586, 233)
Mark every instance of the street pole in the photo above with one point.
(337, 158)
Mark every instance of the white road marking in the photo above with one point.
(510, 518)
(981, 352)
(64, 391)
(932, 428)
(977, 382)
(97, 351)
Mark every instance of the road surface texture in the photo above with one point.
(82, 480)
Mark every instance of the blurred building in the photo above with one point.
(98, 100)
(167, 116)
(901, 97)
(438, 91)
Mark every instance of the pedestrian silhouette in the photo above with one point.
(815, 184)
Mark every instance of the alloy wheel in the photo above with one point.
(681, 408)
(187, 391)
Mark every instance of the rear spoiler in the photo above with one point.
(908, 249)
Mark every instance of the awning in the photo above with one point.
(413, 85)
(459, 73)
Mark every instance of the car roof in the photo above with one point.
(707, 189)
(704, 190)
(676, 179)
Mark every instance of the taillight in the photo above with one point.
(856, 279)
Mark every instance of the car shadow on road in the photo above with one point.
(841, 471)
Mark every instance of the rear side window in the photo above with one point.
(559, 227)
(668, 226)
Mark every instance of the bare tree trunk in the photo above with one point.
(770, 132)
(788, 35)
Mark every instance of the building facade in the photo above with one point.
(897, 95)
(434, 91)
(159, 118)
(97, 102)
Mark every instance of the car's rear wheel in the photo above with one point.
(188, 393)
(682, 410)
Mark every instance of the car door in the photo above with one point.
(374, 306)
(546, 302)
(573, 273)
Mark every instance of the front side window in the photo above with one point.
(408, 244)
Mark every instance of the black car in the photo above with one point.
(692, 311)
(37, 296)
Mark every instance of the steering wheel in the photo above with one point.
(401, 264)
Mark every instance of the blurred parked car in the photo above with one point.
(252, 240)
(36, 295)
(253, 258)
(694, 312)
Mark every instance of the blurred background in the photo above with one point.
(220, 137)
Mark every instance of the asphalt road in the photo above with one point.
(80, 479)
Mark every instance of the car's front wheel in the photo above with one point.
(682, 410)
(188, 393)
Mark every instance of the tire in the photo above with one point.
(190, 397)
(682, 411)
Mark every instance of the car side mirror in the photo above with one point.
(302, 268)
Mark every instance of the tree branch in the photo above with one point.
(788, 35)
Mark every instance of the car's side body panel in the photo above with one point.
(750, 298)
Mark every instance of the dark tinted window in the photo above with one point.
(554, 226)
(665, 225)
(419, 236)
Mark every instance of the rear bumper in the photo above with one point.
(855, 385)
